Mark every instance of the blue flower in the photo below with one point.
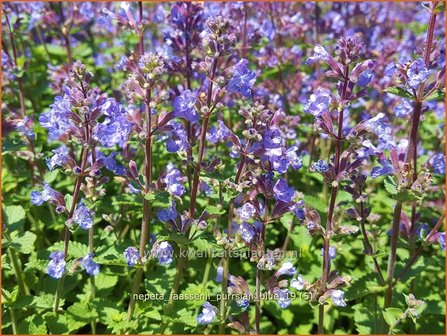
(332, 252)
(219, 274)
(208, 313)
(318, 102)
(83, 216)
(337, 297)
(248, 231)
(286, 269)
(438, 164)
(390, 69)
(320, 166)
(282, 192)
(272, 138)
(283, 297)
(441, 240)
(268, 29)
(386, 169)
(417, 73)
(164, 253)
(404, 109)
(60, 158)
(298, 283)
(89, 265)
(365, 78)
(131, 255)
(174, 181)
(320, 54)
(47, 194)
(57, 120)
(115, 128)
(111, 165)
(168, 214)
(184, 106)
(56, 266)
(178, 140)
(246, 211)
(242, 80)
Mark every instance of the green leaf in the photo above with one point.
(390, 185)
(363, 286)
(315, 202)
(215, 210)
(14, 215)
(187, 317)
(159, 198)
(436, 95)
(105, 282)
(82, 312)
(33, 325)
(21, 241)
(392, 315)
(75, 249)
(68, 201)
(366, 317)
(398, 91)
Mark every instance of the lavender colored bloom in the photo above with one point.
(272, 139)
(83, 216)
(47, 194)
(283, 297)
(177, 138)
(365, 78)
(56, 266)
(131, 255)
(390, 69)
(115, 129)
(332, 252)
(320, 54)
(286, 269)
(60, 158)
(173, 180)
(247, 211)
(386, 169)
(267, 29)
(89, 265)
(298, 283)
(404, 109)
(208, 314)
(320, 166)
(23, 127)
(184, 106)
(318, 102)
(219, 274)
(295, 161)
(5, 58)
(441, 240)
(438, 164)
(164, 253)
(337, 297)
(282, 192)
(248, 231)
(111, 165)
(417, 73)
(242, 80)
(160, 14)
(168, 214)
(57, 120)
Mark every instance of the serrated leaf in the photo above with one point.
(187, 317)
(22, 242)
(390, 185)
(82, 312)
(316, 203)
(398, 91)
(14, 216)
(363, 286)
(215, 210)
(75, 249)
(436, 95)
(33, 325)
(392, 315)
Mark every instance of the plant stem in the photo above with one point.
(330, 218)
(411, 157)
(66, 35)
(148, 175)
(419, 251)
(195, 187)
(77, 188)
(13, 321)
(259, 271)
(23, 288)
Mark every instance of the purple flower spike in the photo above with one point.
(56, 266)
(131, 255)
(83, 216)
(164, 253)
(242, 80)
(89, 265)
(282, 192)
(208, 314)
(184, 106)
